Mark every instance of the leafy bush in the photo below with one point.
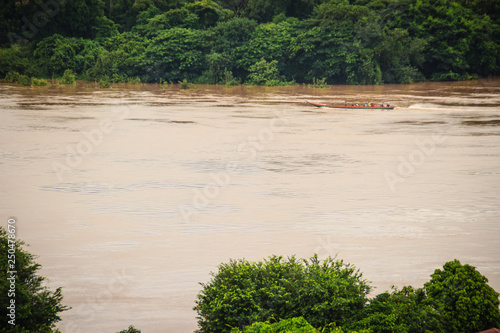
(37, 308)
(464, 300)
(400, 311)
(15, 58)
(317, 83)
(130, 329)
(264, 73)
(244, 292)
(230, 80)
(68, 77)
(292, 325)
(12, 76)
(184, 84)
(39, 82)
(15, 77)
(134, 80)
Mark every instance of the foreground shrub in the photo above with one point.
(243, 292)
(36, 308)
(293, 325)
(464, 300)
(130, 329)
(400, 311)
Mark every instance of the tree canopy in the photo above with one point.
(244, 292)
(293, 295)
(344, 41)
(36, 308)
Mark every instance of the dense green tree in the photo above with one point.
(265, 73)
(126, 56)
(79, 18)
(174, 18)
(464, 300)
(218, 65)
(269, 41)
(176, 54)
(292, 325)
(244, 292)
(53, 55)
(322, 51)
(208, 12)
(401, 311)
(16, 58)
(459, 41)
(36, 308)
(232, 34)
(229, 37)
(267, 10)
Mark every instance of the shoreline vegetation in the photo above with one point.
(281, 295)
(253, 42)
(15, 78)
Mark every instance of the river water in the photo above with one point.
(131, 196)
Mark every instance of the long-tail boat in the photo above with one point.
(369, 106)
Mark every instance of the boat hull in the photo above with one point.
(339, 106)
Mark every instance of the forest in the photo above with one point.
(263, 42)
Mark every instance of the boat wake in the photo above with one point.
(427, 106)
(438, 107)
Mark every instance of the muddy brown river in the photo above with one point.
(131, 196)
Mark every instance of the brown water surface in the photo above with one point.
(131, 196)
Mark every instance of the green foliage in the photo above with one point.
(230, 80)
(270, 42)
(15, 77)
(243, 292)
(37, 308)
(68, 77)
(320, 83)
(464, 300)
(131, 329)
(184, 84)
(176, 54)
(39, 82)
(292, 325)
(15, 58)
(208, 12)
(104, 83)
(12, 76)
(353, 42)
(400, 311)
(217, 67)
(265, 73)
(134, 80)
